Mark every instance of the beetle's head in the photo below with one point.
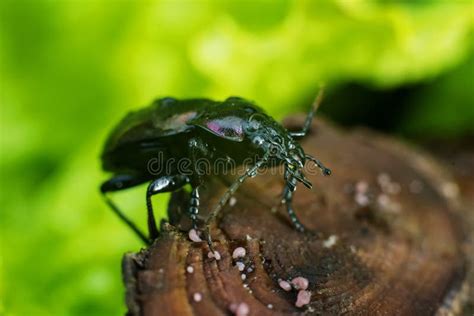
(270, 137)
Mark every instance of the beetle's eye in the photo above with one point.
(253, 125)
(258, 141)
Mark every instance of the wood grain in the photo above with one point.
(384, 239)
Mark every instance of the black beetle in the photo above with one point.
(176, 130)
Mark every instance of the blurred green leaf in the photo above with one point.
(444, 109)
(71, 69)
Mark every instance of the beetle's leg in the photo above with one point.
(287, 199)
(250, 172)
(117, 183)
(194, 206)
(196, 147)
(326, 171)
(298, 175)
(161, 185)
(309, 117)
(288, 183)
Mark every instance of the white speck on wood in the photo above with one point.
(331, 241)
(239, 252)
(450, 189)
(216, 255)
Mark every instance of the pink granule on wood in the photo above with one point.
(284, 285)
(239, 252)
(300, 283)
(361, 187)
(197, 297)
(362, 199)
(194, 236)
(233, 307)
(241, 309)
(303, 298)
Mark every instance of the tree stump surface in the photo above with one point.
(384, 238)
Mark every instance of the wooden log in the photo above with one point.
(384, 239)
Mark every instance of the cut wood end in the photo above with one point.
(382, 240)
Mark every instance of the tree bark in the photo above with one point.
(384, 237)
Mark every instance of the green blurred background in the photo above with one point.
(71, 69)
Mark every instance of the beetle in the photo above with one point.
(191, 129)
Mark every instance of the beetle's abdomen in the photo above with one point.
(148, 158)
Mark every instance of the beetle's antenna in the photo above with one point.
(317, 102)
(326, 171)
(309, 118)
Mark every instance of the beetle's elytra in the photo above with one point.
(193, 129)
